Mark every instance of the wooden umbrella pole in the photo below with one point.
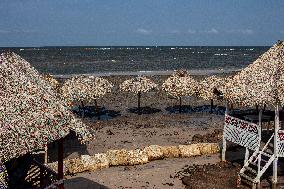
(211, 106)
(45, 155)
(179, 104)
(60, 162)
(97, 109)
(275, 162)
(83, 109)
(139, 98)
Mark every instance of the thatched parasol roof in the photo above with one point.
(261, 82)
(85, 88)
(208, 87)
(30, 113)
(180, 84)
(138, 84)
(53, 82)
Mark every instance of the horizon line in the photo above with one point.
(101, 46)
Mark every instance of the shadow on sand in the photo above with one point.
(71, 145)
(82, 183)
(101, 113)
(144, 110)
(219, 110)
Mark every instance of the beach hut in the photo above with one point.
(31, 116)
(138, 85)
(211, 88)
(180, 84)
(261, 83)
(85, 89)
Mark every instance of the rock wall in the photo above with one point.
(134, 157)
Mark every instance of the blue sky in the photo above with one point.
(140, 22)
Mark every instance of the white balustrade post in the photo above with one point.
(275, 162)
(224, 140)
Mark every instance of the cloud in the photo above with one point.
(18, 31)
(174, 32)
(242, 31)
(212, 31)
(190, 31)
(143, 31)
(282, 32)
(4, 31)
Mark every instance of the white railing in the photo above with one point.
(242, 132)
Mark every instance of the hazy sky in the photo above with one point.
(141, 22)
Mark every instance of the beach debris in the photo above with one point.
(216, 136)
(31, 115)
(261, 82)
(134, 157)
(138, 85)
(180, 84)
(80, 90)
(193, 176)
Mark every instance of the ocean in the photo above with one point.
(96, 60)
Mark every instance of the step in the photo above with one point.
(250, 169)
(266, 154)
(247, 177)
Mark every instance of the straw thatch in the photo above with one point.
(261, 82)
(137, 85)
(180, 84)
(30, 113)
(85, 89)
(210, 86)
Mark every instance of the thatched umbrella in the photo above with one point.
(180, 84)
(85, 89)
(31, 115)
(138, 85)
(52, 81)
(261, 83)
(211, 88)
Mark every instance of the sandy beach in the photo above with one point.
(120, 127)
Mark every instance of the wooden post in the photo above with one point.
(45, 155)
(260, 124)
(83, 109)
(60, 162)
(275, 162)
(246, 155)
(211, 106)
(139, 97)
(256, 108)
(224, 140)
(180, 104)
(97, 109)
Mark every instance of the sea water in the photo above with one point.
(95, 60)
